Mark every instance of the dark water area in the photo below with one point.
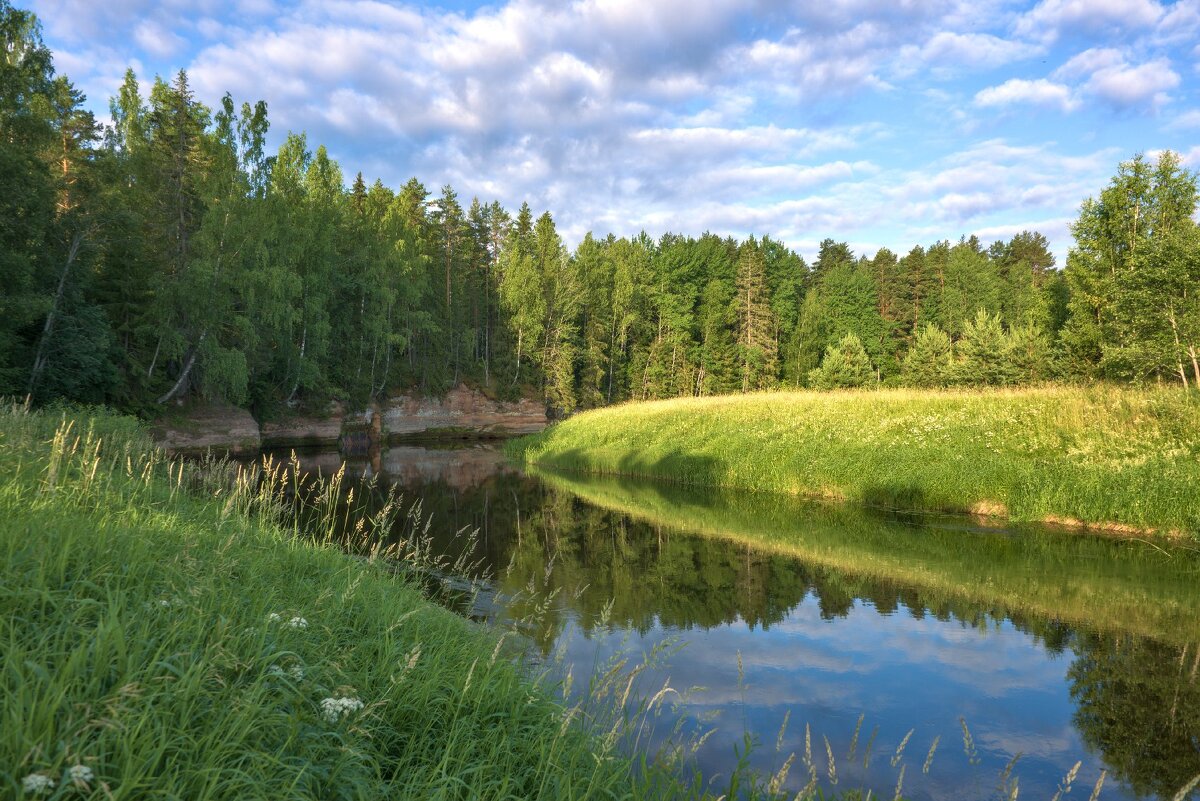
(1048, 646)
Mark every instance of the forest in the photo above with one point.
(165, 255)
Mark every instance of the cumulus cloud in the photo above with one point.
(948, 49)
(1108, 75)
(857, 119)
(1050, 19)
(1040, 92)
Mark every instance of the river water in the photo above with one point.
(1048, 646)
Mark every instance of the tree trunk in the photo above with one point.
(154, 361)
(517, 373)
(299, 364)
(1178, 348)
(187, 370)
(39, 362)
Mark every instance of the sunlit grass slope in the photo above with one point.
(1102, 456)
(154, 643)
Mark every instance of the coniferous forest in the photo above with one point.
(167, 254)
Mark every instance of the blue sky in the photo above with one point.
(878, 122)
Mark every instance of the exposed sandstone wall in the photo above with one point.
(303, 431)
(204, 427)
(462, 412)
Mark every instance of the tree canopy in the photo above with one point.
(167, 255)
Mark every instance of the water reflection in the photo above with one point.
(1057, 647)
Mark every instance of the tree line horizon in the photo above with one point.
(167, 256)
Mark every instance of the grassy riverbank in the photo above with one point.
(175, 643)
(1102, 456)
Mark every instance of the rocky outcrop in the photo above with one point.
(208, 427)
(463, 412)
(305, 431)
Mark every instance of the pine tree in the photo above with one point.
(930, 360)
(757, 346)
(845, 365)
(983, 352)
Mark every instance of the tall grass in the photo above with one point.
(1110, 457)
(164, 635)
(194, 630)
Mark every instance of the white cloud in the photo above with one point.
(1185, 121)
(1084, 64)
(1127, 86)
(1050, 19)
(1181, 23)
(1040, 92)
(1108, 75)
(157, 40)
(843, 118)
(963, 50)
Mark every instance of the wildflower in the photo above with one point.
(334, 709)
(79, 774)
(295, 672)
(273, 617)
(164, 603)
(298, 623)
(37, 783)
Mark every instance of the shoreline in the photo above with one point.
(1120, 462)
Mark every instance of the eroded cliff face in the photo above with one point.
(309, 431)
(463, 413)
(208, 427)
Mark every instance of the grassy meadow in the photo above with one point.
(164, 636)
(1106, 457)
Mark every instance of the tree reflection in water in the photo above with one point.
(650, 557)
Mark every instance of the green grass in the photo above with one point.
(1117, 458)
(146, 634)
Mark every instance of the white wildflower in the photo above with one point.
(164, 603)
(37, 783)
(274, 617)
(334, 709)
(295, 672)
(79, 774)
(298, 623)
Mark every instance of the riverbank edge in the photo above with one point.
(653, 441)
(463, 413)
(92, 522)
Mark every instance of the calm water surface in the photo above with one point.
(1054, 646)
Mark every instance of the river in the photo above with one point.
(858, 626)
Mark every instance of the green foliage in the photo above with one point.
(845, 365)
(930, 361)
(1131, 277)
(231, 274)
(983, 352)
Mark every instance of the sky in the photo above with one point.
(882, 123)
